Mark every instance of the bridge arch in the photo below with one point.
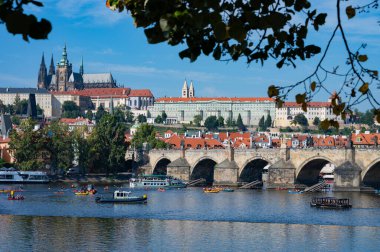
(252, 169)
(308, 172)
(160, 168)
(371, 175)
(203, 168)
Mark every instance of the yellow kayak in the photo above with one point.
(81, 193)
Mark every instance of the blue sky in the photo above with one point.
(109, 42)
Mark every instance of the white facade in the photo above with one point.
(43, 98)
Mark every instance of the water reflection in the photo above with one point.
(28, 233)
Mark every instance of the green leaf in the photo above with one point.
(362, 58)
(325, 124)
(236, 30)
(300, 98)
(364, 88)
(351, 12)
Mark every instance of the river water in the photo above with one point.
(187, 220)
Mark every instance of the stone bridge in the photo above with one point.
(286, 167)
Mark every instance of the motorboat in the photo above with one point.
(122, 197)
(211, 190)
(156, 181)
(11, 175)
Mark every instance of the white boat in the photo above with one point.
(11, 175)
(156, 181)
(328, 178)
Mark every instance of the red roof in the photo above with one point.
(198, 99)
(108, 92)
(309, 104)
(74, 120)
(141, 92)
(193, 143)
(365, 139)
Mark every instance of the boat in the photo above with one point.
(330, 202)
(295, 191)
(161, 189)
(156, 181)
(11, 175)
(211, 190)
(228, 190)
(122, 197)
(12, 196)
(328, 178)
(82, 193)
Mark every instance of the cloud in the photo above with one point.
(89, 12)
(153, 71)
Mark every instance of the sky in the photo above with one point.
(109, 42)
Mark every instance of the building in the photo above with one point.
(63, 78)
(285, 115)
(43, 98)
(183, 109)
(136, 99)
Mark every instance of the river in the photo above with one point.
(187, 220)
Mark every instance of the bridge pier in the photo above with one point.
(347, 177)
(226, 173)
(281, 174)
(179, 168)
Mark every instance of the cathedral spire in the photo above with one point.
(43, 60)
(42, 74)
(81, 68)
(185, 90)
(64, 61)
(51, 68)
(191, 90)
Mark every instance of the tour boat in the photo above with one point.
(228, 190)
(13, 176)
(156, 181)
(122, 197)
(330, 202)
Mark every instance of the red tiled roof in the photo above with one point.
(309, 104)
(365, 139)
(199, 99)
(141, 92)
(98, 92)
(193, 143)
(74, 120)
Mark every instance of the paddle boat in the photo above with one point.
(82, 193)
(211, 190)
(122, 197)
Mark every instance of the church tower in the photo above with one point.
(191, 90)
(51, 68)
(81, 72)
(63, 72)
(185, 90)
(42, 74)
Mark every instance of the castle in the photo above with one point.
(64, 79)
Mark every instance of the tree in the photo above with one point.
(16, 120)
(239, 123)
(300, 119)
(129, 116)
(119, 115)
(268, 122)
(197, 120)
(81, 148)
(164, 116)
(3, 108)
(230, 122)
(141, 118)
(158, 119)
(262, 124)
(26, 144)
(147, 134)
(40, 111)
(211, 123)
(316, 121)
(108, 145)
(220, 121)
(100, 113)
(148, 114)
(20, 106)
(70, 110)
(89, 114)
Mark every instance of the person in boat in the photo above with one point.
(12, 194)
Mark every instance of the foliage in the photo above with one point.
(17, 22)
(262, 124)
(316, 121)
(119, 115)
(164, 116)
(211, 123)
(89, 115)
(300, 119)
(197, 120)
(366, 117)
(268, 122)
(100, 113)
(239, 123)
(40, 111)
(158, 119)
(230, 122)
(16, 120)
(26, 145)
(129, 117)
(147, 134)
(3, 108)
(81, 148)
(148, 114)
(141, 118)
(108, 145)
(220, 121)
(70, 110)
(20, 106)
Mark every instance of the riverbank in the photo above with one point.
(92, 179)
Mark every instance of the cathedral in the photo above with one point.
(62, 78)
